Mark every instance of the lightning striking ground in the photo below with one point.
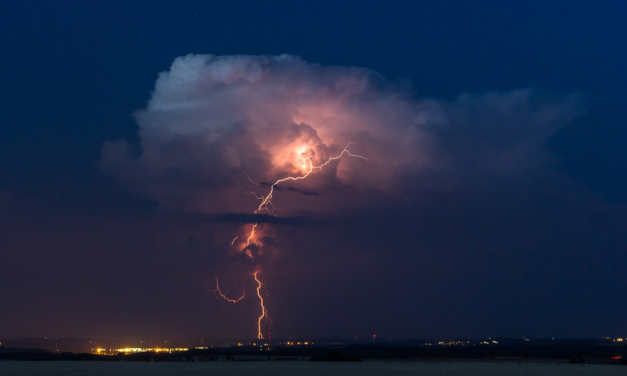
(263, 308)
(267, 206)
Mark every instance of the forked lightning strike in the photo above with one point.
(267, 206)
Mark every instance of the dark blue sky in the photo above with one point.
(73, 72)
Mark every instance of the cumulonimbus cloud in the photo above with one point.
(216, 123)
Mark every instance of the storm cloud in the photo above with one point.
(216, 123)
(459, 183)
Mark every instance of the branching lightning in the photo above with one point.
(267, 206)
(267, 200)
(217, 290)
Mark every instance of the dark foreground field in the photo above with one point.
(88, 368)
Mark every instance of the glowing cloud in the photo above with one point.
(216, 124)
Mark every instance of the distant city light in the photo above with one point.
(133, 350)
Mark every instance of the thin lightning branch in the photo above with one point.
(233, 242)
(251, 180)
(217, 290)
(252, 233)
(254, 194)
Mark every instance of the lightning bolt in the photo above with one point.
(264, 313)
(252, 234)
(217, 290)
(267, 200)
(266, 205)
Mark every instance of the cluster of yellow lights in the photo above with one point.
(618, 340)
(239, 344)
(298, 343)
(458, 343)
(449, 343)
(130, 350)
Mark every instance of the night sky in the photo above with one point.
(492, 201)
